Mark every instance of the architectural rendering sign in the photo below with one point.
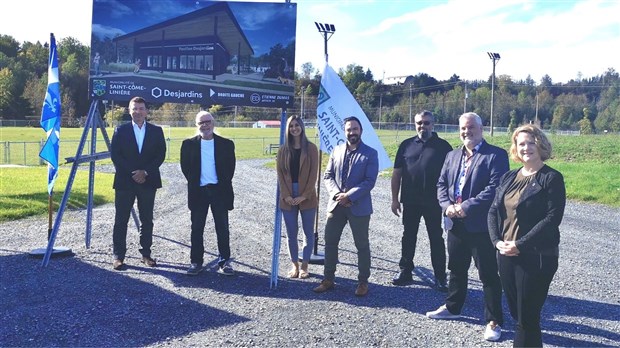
(205, 52)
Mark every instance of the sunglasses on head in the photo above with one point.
(426, 123)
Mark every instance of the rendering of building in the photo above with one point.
(203, 42)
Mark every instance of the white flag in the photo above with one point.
(335, 103)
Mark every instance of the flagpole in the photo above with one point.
(316, 258)
(49, 215)
(50, 122)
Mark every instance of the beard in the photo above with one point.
(353, 139)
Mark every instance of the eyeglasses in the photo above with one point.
(426, 123)
(206, 122)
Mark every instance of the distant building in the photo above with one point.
(266, 124)
(398, 80)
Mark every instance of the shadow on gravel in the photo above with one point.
(570, 307)
(71, 303)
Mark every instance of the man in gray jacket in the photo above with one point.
(349, 177)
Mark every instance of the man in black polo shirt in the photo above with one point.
(417, 167)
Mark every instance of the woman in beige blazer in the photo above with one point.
(297, 166)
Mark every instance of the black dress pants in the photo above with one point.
(463, 246)
(526, 279)
(209, 197)
(412, 213)
(123, 202)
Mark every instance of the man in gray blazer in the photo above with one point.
(349, 177)
(465, 190)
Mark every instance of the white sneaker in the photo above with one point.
(492, 332)
(442, 313)
(226, 269)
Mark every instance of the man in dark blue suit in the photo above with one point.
(465, 190)
(350, 175)
(138, 149)
(208, 163)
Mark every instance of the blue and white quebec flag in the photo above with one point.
(335, 103)
(50, 117)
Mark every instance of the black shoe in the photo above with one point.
(441, 285)
(404, 278)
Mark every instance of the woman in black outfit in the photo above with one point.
(524, 227)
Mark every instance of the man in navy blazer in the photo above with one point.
(208, 163)
(349, 177)
(138, 149)
(465, 190)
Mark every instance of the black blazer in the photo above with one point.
(225, 162)
(540, 211)
(126, 158)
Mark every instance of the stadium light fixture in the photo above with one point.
(326, 30)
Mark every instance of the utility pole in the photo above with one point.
(380, 104)
(303, 91)
(465, 99)
(410, 105)
(494, 57)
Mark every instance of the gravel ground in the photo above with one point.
(82, 301)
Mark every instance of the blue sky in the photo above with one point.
(562, 38)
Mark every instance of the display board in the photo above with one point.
(204, 52)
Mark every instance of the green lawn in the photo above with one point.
(24, 191)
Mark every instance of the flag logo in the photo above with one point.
(323, 95)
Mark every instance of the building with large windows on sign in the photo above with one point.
(208, 41)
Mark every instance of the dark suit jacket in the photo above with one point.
(362, 177)
(225, 162)
(126, 158)
(487, 167)
(539, 211)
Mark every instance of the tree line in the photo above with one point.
(586, 104)
(589, 104)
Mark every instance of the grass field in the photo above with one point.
(24, 191)
(590, 164)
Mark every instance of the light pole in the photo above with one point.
(410, 90)
(303, 91)
(465, 99)
(494, 57)
(380, 107)
(327, 30)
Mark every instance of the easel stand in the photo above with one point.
(94, 121)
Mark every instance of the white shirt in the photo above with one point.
(207, 162)
(139, 133)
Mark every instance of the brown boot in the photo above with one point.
(362, 289)
(324, 286)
